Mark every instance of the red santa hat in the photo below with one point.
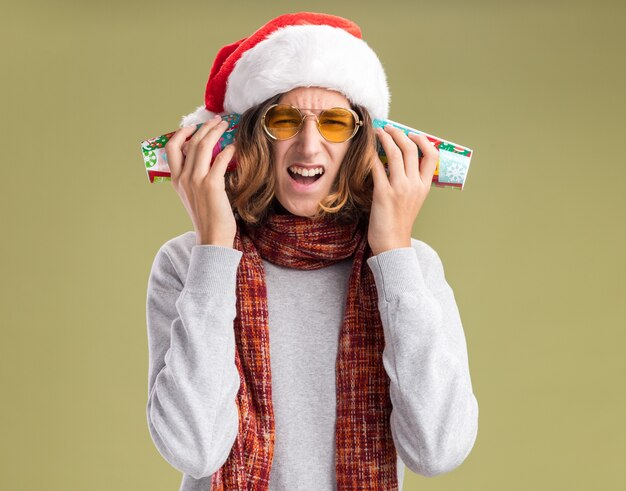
(303, 49)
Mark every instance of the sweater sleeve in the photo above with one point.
(434, 420)
(192, 378)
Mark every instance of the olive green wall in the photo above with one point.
(533, 247)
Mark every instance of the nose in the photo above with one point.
(309, 137)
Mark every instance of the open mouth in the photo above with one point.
(302, 179)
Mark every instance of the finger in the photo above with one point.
(430, 159)
(173, 152)
(205, 128)
(206, 150)
(201, 147)
(191, 143)
(379, 176)
(409, 151)
(220, 164)
(393, 153)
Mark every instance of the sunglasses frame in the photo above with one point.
(358, 122)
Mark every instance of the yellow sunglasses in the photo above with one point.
(336, 125)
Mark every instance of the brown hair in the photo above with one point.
(251, 187)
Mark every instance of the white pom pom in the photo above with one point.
(200, 115)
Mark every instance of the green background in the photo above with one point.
(533, 246)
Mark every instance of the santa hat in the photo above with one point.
(304, 49)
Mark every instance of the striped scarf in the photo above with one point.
(365, 457)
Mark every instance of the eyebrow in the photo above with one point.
(315, 109)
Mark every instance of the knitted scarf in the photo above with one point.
(365, 456)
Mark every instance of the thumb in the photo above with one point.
(222, 159)
(378, 172)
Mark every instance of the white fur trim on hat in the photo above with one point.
(306, 56)
(200, 115)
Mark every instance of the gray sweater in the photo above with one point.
(193, 381)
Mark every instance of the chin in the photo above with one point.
(301, 209)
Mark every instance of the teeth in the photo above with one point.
(305, 172)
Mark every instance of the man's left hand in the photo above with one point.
(397, 199)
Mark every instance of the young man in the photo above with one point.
(299, 337)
